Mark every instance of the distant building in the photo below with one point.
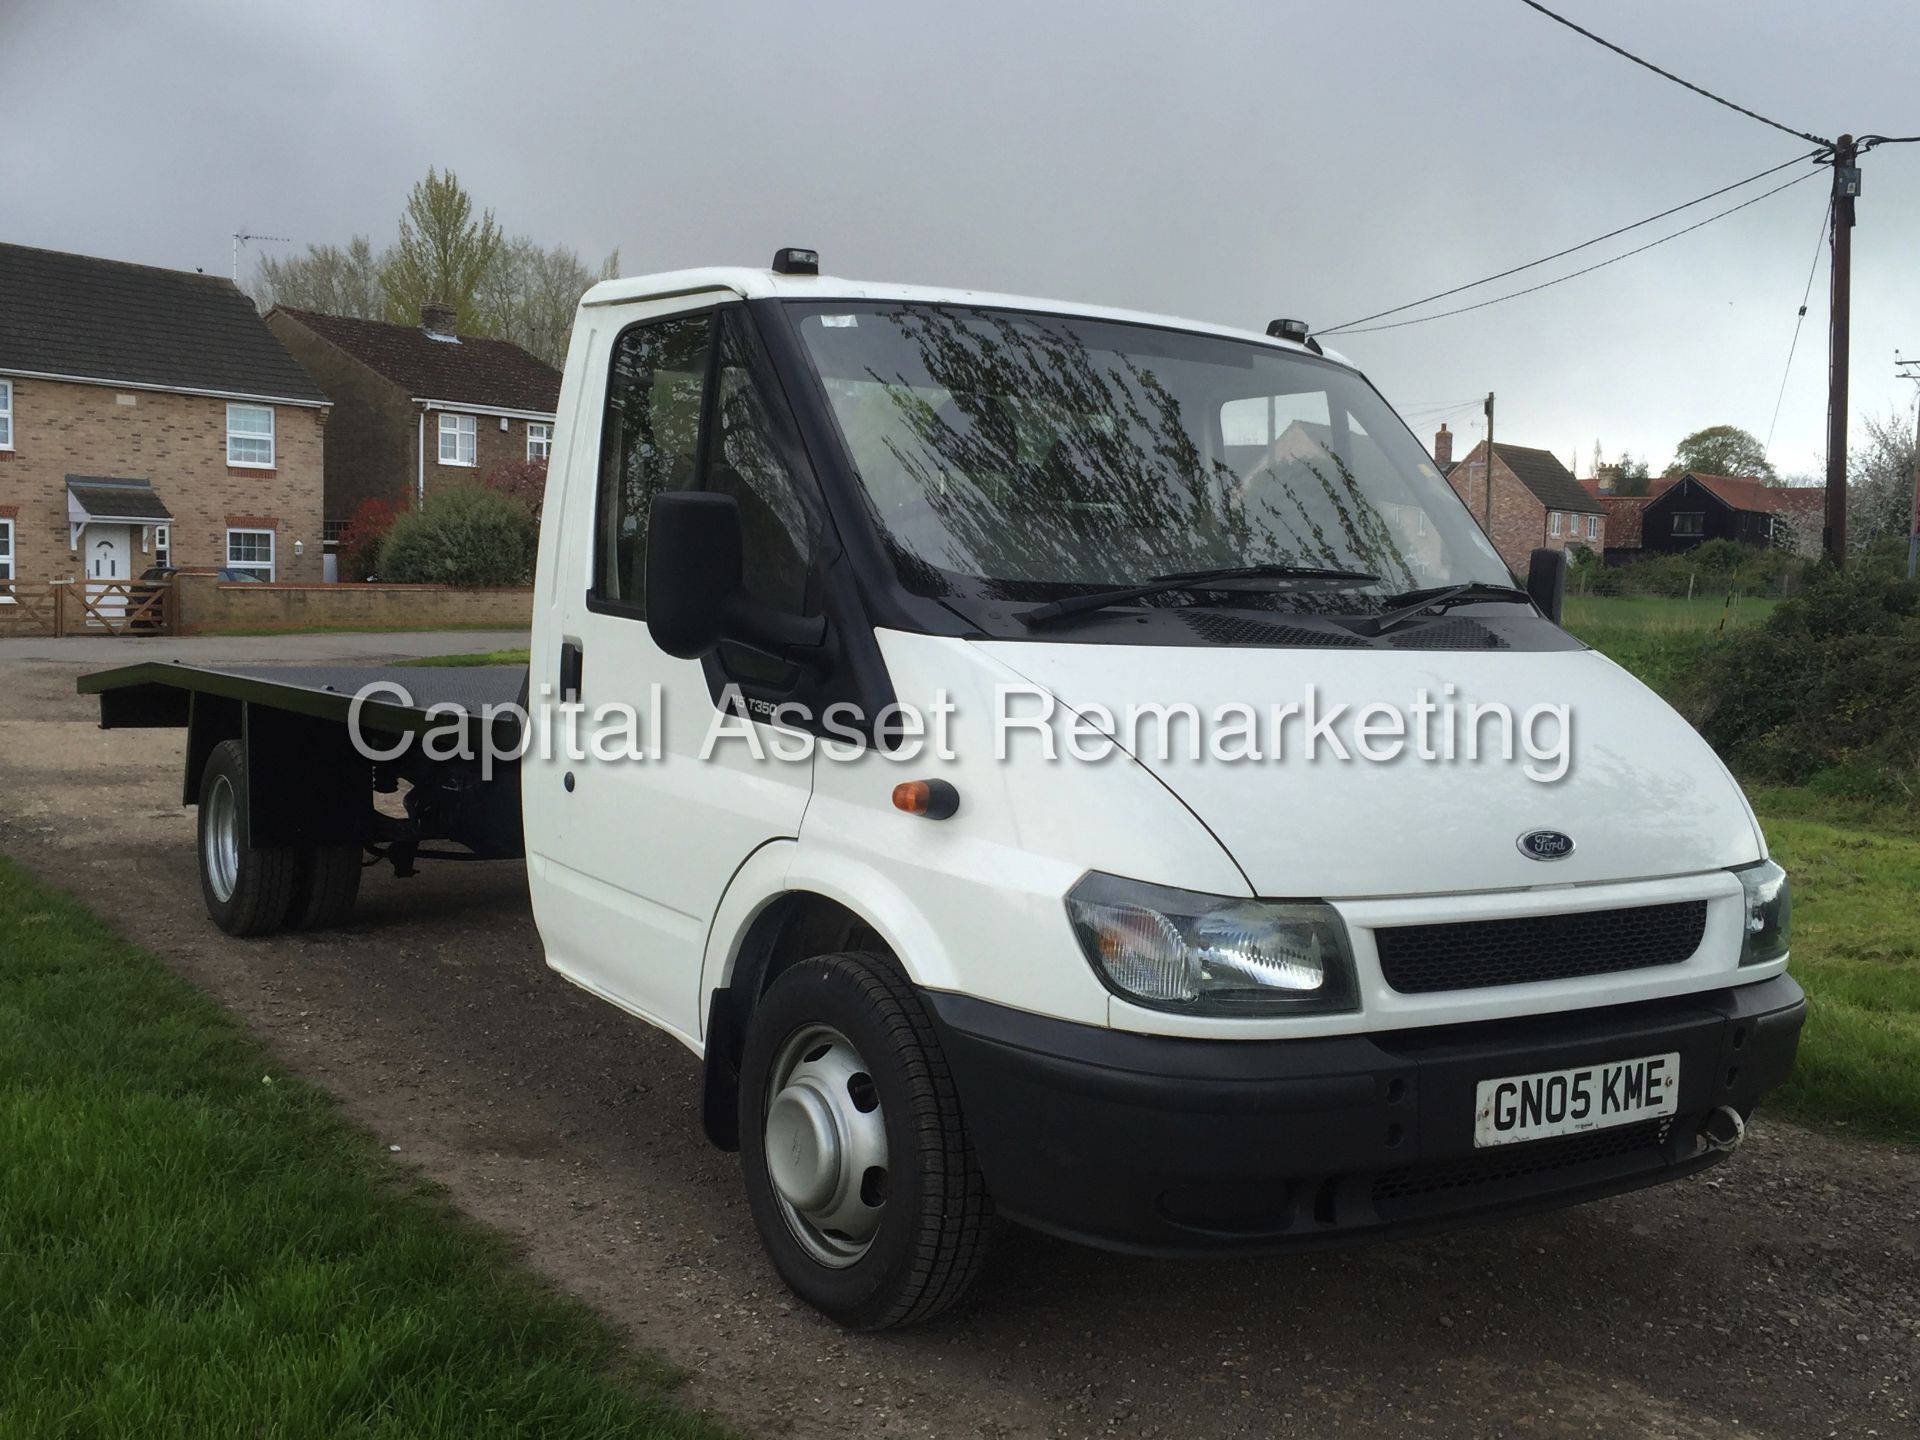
(1680, 512)
(1535, 502)
(149, 417)
(418, 406)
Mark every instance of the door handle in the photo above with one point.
(571, 658)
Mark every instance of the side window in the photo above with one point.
(650, 442)
(747, 462)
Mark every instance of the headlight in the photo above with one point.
(1769, 912)
(1212, 954)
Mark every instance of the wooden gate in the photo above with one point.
(57, 608)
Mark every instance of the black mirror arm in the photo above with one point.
(797, 639)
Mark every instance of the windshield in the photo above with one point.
(1026, 456)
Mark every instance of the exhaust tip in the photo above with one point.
(1723, 1129)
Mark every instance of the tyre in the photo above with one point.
(325, 885)
(858, 1169)
(247, 891)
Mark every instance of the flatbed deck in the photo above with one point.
(158, 694)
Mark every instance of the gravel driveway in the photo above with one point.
(1778, 1295)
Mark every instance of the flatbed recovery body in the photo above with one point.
(315, 738)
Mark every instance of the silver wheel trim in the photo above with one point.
(220, 839)
(826, 1154)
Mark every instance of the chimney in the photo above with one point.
(437, 320)
(1609, 478)
(1443, 447)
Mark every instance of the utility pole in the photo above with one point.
(1487, 523)
(1910, 370)
(1846, 186)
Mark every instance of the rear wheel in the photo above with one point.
(247, 890)
(859, 1172)
(325, 887)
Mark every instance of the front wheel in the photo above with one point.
(859, 1172)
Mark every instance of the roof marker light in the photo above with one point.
(1294, 330)
(794, 261)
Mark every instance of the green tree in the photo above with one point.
(328, 278)
(443, 255)
(1722, 450)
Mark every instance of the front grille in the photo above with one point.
(1459, 633)
(1239, 630)
(1509, 1163)
(1466, 955)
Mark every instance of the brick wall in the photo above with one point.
(1519, 519)
(202, 603)
(372, 440)
(179, 443)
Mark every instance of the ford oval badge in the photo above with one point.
(1545, 845)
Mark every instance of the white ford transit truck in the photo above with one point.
(1050, 763)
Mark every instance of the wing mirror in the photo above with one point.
(695, 594)
(1547, 581)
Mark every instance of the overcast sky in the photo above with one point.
(1226, 161)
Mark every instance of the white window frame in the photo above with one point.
(6, 414)
(250, 435)
(273, 556)
(163, 544)
(541, 431)
(1593, 527)
(1553, 523)
(10, 562)
(463, 428)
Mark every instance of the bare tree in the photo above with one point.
(530, 292)
(328, 278)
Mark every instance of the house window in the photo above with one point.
(251, 551)
(6, 558)
(1593, 527)
(1553, 522)
(163, 544)
(457, 440)
(6, 414)
(250, 436)
(1689, 523)
(539, 441)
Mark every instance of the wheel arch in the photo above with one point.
(778, 910)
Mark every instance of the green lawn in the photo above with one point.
(476, 626)
(484, 657)
(194, 1244)
(1659, 639)
(1856, 949)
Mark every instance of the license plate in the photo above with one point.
(1566, 1102)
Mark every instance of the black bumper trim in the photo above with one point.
(1163, 1145)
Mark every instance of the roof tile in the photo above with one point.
(495, 374)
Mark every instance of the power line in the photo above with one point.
(1812, 270)
(1669, 75)
(1571, 249)
(1588, 270)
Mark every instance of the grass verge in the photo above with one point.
(483, 657)
(1857, 952)
(1657, 639)
(193, 1243)
(475, 626)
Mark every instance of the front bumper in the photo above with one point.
(1161, 1145)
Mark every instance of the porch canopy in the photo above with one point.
(94, 499)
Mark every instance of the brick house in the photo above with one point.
(149, 417)
(1681, 512)
(1535, 502)
(417, 407)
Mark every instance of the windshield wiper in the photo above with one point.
(1190, 580)
(1439, 597)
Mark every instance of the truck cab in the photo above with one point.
(1088, 768)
